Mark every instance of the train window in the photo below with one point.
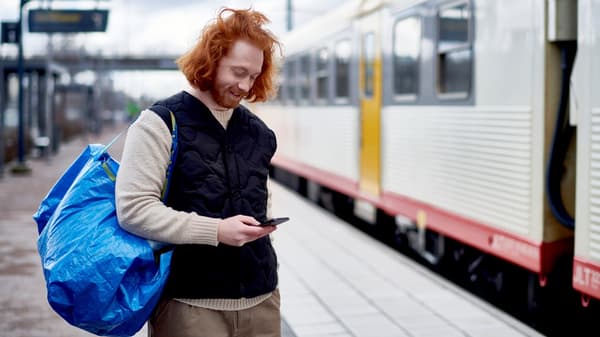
(369, 64)
(455, 55)
(407, 50)
(323, 74)
(290, 75)
(342, 69)
(281, 88)
(304, 78)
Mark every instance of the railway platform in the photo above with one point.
(337, 281)
(334, 280)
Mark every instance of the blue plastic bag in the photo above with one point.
(49, 204)
(99, 277)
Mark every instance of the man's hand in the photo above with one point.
(239, 229)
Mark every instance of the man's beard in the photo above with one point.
(225, 100)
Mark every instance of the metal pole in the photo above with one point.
(2, 108)
(21, 166)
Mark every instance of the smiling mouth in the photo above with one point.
(238, 95)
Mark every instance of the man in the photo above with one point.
(223, 279)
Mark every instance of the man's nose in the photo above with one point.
(245, 84)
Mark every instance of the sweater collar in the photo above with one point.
(199, 112)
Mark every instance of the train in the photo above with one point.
(465, 132)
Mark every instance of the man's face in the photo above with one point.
(236, 74)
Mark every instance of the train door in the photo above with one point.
(370, 102)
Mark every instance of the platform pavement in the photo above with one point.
(337, 281)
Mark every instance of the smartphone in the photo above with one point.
(274, 221)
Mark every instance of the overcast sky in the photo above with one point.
(158, 26)
(142, 27)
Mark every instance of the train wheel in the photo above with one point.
(585, 300)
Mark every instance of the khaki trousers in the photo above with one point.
(175, 319)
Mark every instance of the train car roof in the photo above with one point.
(340, 19)
(314, 32)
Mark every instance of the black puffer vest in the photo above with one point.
(220, 173)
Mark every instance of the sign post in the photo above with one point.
(10, 34)
(21, 167)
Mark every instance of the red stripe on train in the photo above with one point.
(538, 257)
(586, 277)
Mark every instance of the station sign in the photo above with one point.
(67, 21)
(10, 32)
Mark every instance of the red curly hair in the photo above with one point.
(199, 65)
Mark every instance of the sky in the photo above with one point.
(144, 27)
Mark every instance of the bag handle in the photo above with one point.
(174, 147)
(161, 247)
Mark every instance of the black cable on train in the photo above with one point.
(563, 133)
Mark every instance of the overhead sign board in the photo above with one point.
(10, 32)
(67, 21)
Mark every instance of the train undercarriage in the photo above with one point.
(546, 303)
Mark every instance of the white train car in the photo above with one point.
(436, 122)
(586, 105)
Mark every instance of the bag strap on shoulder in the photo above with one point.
(169, 118)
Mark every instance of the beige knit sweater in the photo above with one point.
(140, 211)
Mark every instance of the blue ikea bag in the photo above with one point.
(48, 205)
(99, 277)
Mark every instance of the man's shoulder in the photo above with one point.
(250, 118)
(171, 102)
(260, 130)
(164, 107)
